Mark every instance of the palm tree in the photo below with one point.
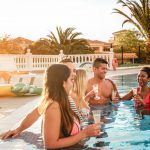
(68, 41)
(140, 17)
(42, 46)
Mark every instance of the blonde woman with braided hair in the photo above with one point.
(78, 94)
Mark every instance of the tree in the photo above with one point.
(42, 46)
(140, 17)
(68, 41)
(7, 46)
(10, 45)
(129, 39)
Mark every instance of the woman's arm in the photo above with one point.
(52, 130)
(128, 96)
(26, 123)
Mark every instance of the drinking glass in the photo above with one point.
(134, 90)
(85, 114)
(95, 89)
(85, 122)
(97, 115)
(114, 93)
(97, 118)
(137, 116)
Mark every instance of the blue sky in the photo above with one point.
(34, 19)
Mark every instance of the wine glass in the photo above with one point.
(96, 89)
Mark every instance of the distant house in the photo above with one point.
(115, 34)
(99, 46)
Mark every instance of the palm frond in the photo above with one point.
(140, 15)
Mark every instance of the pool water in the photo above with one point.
(124, 132)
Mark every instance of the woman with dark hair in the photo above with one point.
(142, 93)
(60, 124)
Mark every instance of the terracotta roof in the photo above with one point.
(119, 31)
(97, 42)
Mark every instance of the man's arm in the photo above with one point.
(115, 88)
(26, 123)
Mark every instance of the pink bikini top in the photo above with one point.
(75, 128)
(147, 101)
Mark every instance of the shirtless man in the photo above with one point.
(105, 86)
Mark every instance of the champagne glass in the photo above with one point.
(114, 93)
(85, 122)
(134, 94)
(97, 118)
(134, 91)
(96, 89)
(97, 115)
(113, 96)
(137, 116)
(85, 114)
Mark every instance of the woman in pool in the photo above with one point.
(142, 93)
(60, 124)
(79, 89)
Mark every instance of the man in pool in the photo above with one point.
(103, 98)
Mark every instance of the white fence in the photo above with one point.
(29, 62)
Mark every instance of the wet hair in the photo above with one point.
(99, 61)
(146, 70)
(55, 76)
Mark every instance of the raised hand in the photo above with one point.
(138, 101)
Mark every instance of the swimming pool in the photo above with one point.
(124, 132)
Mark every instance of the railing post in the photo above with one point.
(29, 60)
(61, 55)
(111, 57)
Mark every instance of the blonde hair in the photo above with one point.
(80, 84)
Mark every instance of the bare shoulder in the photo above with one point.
(89, 84)
(110, 82)
(90, 79)
(52, 112)
(54, 106)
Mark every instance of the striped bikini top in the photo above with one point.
(74, 108)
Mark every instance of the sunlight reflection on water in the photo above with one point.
(125, 132)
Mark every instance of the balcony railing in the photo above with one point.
(29, 62)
